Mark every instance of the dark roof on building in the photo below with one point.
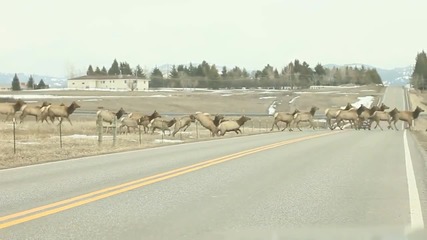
(106, 77)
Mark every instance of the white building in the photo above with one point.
(111, 82)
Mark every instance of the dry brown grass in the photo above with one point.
(37, 143)
(419, 98)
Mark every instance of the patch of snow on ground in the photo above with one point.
(267, 98)
(157, 96)
(345, 93)
(226, 95)
(366, 101)
(167, 141)
(45, 96)
(329, 92)
(82, 136)
(293, 99)
(91, 100)
(272, 108)
(28, 143)
(367, 90)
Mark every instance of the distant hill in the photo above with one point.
(54, 82)
(396, 76)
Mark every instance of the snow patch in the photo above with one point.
(267, 98)
(293, 99)
(366, 101)
(329, 92)
(167, 141)
(272, 108)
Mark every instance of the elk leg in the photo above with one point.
(275, 123)
(312, 124)
(287, 124)
(379, 125)
(298, 126)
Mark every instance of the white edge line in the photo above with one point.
(417, 221)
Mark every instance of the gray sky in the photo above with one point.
(57, 37)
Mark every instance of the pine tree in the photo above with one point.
(245, 73)
(213, 73)
(89, 71)
(104, 71)
(156, 74)
(114, 69)
(139, 72)
(224, 72)
(30, 83)
(41, 85)
(97, 71)
(16, 85)
(125, 69)
(174, 73)
(419, 76)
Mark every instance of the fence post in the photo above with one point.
(115, 130)
(197, 130)
(14, 136)
(100, 129)
(139, 132)
(60, 134)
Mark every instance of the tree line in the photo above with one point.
(16, 84)
(116, 69)
(205, 75)
(419, 75)
(295, 74)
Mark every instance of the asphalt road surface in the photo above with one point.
(315, 184)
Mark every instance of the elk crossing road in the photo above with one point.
(273, 185)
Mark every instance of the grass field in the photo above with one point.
(37, 143)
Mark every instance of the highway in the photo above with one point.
(317, 183)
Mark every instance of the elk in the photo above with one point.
(306, 117)
(33, 111)
(61, 112)
(284, 117)
(9, 109)
(331, 113)
(232, 125)
(144, 120)
(183, 123)
(162, 124)
(406, 116)
(207, 122)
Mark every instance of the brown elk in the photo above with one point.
(382, 116)
(406, 116)
(9, 109)
(331, 113)
(162, 125)
(144, 120)
(232, 125)
(183, 123)
(35, 111)
(284, 117)
(207, 122)
(61, 112)
(306, 117)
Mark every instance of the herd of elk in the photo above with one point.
(361, 117)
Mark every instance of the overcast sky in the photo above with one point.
(58, 37)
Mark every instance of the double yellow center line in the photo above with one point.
(46, 210)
